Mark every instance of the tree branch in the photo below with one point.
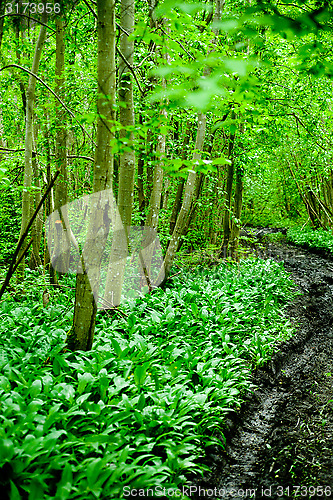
(53, 93)
(179, 43)
(297, 118)
(131, 70)
(8, 150)
(28, 17)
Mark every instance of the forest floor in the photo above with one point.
(280, 445)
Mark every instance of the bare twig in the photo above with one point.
(30, 18)
(191, 56)
(176, 274)
(294, 5)
(90, 8)
(131, 70)
(305, 223)
(52, 92)
(151, 52)
(88, 158)
(111, 307)
(7, 150)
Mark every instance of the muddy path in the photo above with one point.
(281, 443)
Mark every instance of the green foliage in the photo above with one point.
(311, 238)
(275, 237)
(10, 223)
(142, 407)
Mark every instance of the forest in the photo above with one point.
(166, 247)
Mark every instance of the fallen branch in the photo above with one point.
(23, 254)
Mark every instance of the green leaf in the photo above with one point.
(94, 469)
(7, 449)
(36, 388)
(84, 380)
(140, 375)
(222, 161)
(36, 489)
(116, 347)
(141, 402)
(64, 487)
(194, 308)
(156, 318)
(14, 492)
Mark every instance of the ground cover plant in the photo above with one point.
(311, 238)
(140, 409)
(275, 237)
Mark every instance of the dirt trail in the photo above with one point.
(281, 443)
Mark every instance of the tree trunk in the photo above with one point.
(82, 333)
(166, 193)
(178, 200)
(141, 162)
(187, 200)
(307, 198)
(177, 204)
(150, 170)
(36, 231)
(155, 198)
(60, 258)
(2, 11)
(192, 214)
(238, 201)
(120, 241)
(227, 210)
(28, 171)
(49, 207)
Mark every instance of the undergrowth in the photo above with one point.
(141, 408)
(311, 238)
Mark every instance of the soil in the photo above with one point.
(280, 445)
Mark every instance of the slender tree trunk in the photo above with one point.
(156, 193)
(187, 200)
(141, 162)
(28, 171)
(48, 204)
(226, 218)
(155, 198)
(328, 190)
(2, 11)
(166, 193)
(82, 333)
(177, 204)
(192, 214)
(307, 198)
(150, 170)
(120, 241)
(18, 76)
(238, 201)
(179, 193)
(60, 259)
(36, 231)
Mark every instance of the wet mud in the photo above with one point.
(280, 445)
